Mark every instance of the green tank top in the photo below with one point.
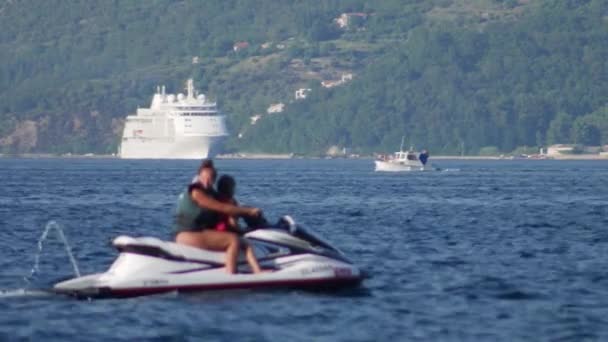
(190, 217)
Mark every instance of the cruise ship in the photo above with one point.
(174, 127)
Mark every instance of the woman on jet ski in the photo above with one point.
(198, 214)
(226, 187)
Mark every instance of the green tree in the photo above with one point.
(560, 128)
(584, 133)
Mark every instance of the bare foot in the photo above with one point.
(263, 271)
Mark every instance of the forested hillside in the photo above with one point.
(454, 76)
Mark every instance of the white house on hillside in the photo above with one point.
(335, 83)
(240, 46)
(275, 108)
(255, 119)
(344, 19)
(302, 93)
(559, 149)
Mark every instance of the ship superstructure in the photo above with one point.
(174, 127)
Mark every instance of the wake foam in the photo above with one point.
(19, 293)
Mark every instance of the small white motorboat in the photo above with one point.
(404, 161)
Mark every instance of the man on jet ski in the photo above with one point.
(198, 214)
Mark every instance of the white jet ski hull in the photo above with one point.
(150, 266)
(313, 272)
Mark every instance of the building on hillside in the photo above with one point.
(347, 77)
(330, 84)
(195, 60)
(335, 151)
(335, 83)
(302, 93)
(275, 108)
(255, 119)
(558, 149)
(238, 46)
(345, 19)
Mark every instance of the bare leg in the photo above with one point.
(252, 260)
(215, 241)
(232, 253)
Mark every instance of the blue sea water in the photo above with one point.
(486, 250)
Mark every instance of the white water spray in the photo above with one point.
(52, 225)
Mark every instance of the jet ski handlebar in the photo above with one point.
(286, 222)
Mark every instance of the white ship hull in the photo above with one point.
(200, 147)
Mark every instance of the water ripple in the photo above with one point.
(498, 251)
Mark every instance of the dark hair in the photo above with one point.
(208, 164)
(225, 185)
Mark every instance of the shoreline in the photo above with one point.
(58, 156)
(564, 157)
(286, 156)
(256, 156)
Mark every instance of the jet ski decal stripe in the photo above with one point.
(240, 263)
(157, 252)
(192, 270)
(316, 283)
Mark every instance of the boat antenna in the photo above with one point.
(190, 88)
(402, 140)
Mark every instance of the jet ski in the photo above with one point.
(147, 265)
